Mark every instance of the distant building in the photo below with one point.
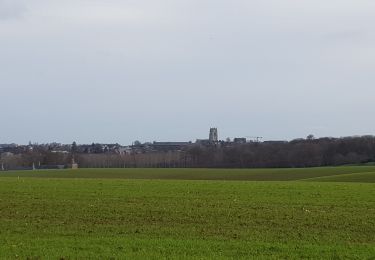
(124, 150)
(74, 164)
(213, 137)
(62, 152)
(169, 146)
(239, 140)
(203, 141)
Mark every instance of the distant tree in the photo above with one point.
(310, 137)
(74, 148)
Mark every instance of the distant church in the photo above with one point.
(214, 137)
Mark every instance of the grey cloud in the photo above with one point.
(347, 35)
(11, 9)
(117, 71)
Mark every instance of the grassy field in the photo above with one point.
(356, 173)
(184, 213)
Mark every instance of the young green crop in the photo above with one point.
(208, 174)
(176, 219)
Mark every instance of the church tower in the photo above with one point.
(213, 138)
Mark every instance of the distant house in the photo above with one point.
(124, 150)
(62, 152)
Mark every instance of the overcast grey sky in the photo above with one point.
(118, 71)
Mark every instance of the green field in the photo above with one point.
(188, 213)
(350, 174)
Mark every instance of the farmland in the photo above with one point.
(356, 173)
(188, 213)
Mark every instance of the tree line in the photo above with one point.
(309, 152)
